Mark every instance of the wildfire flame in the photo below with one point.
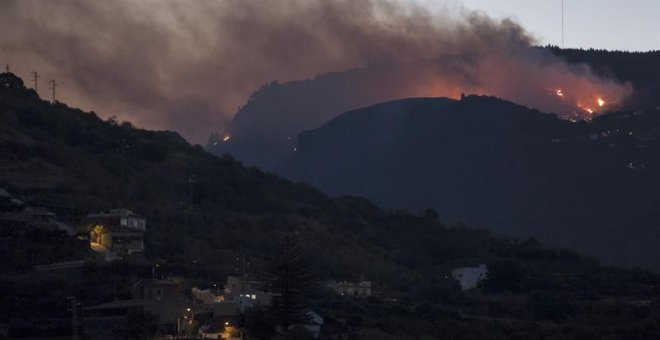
(587, 106)
(226, 138)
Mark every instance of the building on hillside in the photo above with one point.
(18, 219)
(164, 299)
(356, 289)
(247, 292)
(117, 218)
(119, 231)
(218, 320)
(219, 314)
(166, 289)
(469, 277)
(206, 296)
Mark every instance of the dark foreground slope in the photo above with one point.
(203, 212)
(592, 186)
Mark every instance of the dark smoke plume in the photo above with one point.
(187, 65)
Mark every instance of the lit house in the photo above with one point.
(119, 231)
(469, 277)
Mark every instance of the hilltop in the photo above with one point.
(265, 129)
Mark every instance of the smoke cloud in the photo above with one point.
(188, 65)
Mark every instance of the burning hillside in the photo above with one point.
(522, 74)
(528, 76)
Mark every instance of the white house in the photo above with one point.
(469, 277)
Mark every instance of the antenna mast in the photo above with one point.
(562, 23)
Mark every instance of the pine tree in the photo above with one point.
(292, 284)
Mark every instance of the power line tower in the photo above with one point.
(53, 85)
(35, 79)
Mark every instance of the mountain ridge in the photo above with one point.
(546, 177)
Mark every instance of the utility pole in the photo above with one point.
(35, 79)
(53, 85)
(74, 317)
(7, 68)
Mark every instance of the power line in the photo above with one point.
(53, 85)
(35, 79)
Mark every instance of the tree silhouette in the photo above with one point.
(292, 283)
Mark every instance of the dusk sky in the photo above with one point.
(609, 24)
(223, 50)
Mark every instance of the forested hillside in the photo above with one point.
(497, 165)
(204, 211)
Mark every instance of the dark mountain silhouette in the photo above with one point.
(264, 131)
(491, 163)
